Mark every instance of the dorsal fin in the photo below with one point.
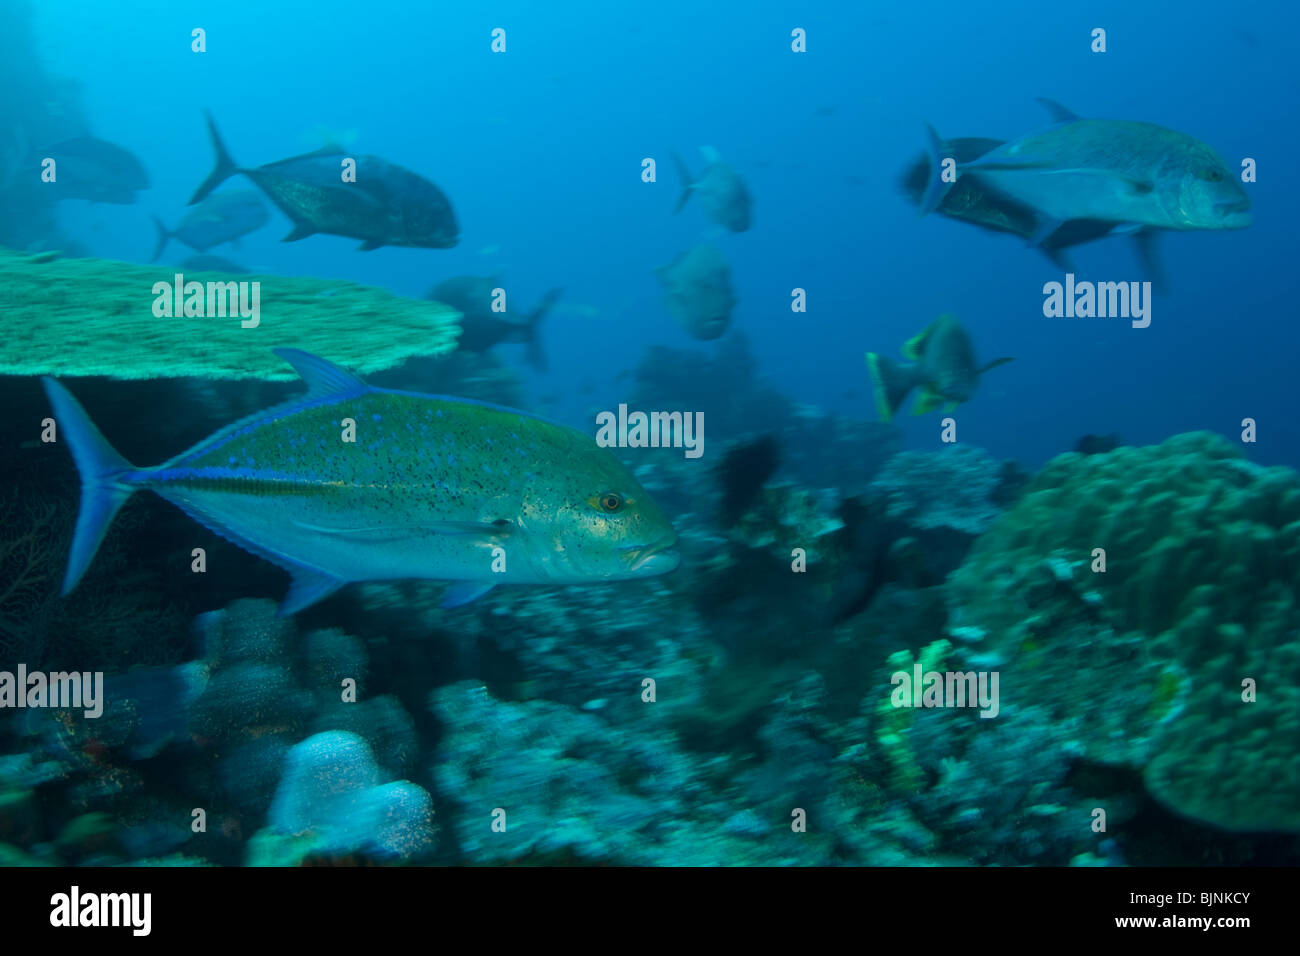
(322, 377)
(1059, 112)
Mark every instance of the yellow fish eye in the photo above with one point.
(609, 501)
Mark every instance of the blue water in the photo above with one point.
(540, 151)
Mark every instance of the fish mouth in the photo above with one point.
(1236, 211)
(658, 555)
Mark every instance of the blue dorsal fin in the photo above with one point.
(1059, 113)
(322, 377)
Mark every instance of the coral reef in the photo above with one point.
(95, 317)
(1150, 663)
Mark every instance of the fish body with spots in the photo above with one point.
(431, 487)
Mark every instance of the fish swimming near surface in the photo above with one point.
(221, 217)
(941, 364)
(1119, 171)
(698, 287)
(432, 487)
(386, 205)
(968, 200)
(94, 169)
(721, 190)
(212, 264)
(481, 328)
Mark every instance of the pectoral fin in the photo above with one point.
(927, 401)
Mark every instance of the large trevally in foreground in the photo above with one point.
(432, 487)
(1119, 171)
(386, 205)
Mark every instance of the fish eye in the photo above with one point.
(609, 502)
(1211, 175)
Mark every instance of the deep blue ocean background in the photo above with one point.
(540, 151)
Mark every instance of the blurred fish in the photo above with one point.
(1114, 170)
(698, 287)
(969, 200)
(720, 188)
(1098, 444)
(743, 471)
(94, 169)
(481, 328)
(386, 206)
(943, 368)
(433, 488)
(212, 264)
(222, 217)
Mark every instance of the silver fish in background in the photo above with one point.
(222, 217)
(1119, 171)
(386, 205)
(942, 366)
(698, 288)
(481, 328)
(721, 190)
(94, 169)
(968, 200)
(432, 487)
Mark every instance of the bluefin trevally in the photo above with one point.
(385, 206)
(222, 217)
(1119, 171)
(481, 327)
(432, 487)
(942, 366)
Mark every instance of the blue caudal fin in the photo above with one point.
(688, 183)
(164, 234)
(104, 479)
(225, 166)
(935, 187)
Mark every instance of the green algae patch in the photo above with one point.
(79, 317)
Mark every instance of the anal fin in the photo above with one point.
(308, 587)
(463, 592)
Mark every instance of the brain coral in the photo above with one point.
(1182, 657)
